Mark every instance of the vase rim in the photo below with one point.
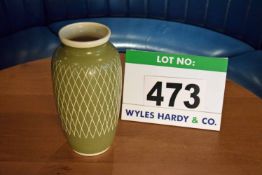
(84, 34)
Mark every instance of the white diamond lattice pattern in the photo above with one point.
(88, 98)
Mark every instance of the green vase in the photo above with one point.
(87, 81)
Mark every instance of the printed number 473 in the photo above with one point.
(158, 98)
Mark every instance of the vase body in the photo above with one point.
(87, 85)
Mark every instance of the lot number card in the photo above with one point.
(172, 89)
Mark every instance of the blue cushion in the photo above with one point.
(26, 45)
(16, 15)
(170, 37)
(247, 71)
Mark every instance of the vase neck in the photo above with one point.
(84, 35)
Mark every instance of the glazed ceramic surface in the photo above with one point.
(87, 80)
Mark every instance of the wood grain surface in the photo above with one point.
(32, 141)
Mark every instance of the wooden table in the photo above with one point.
(32, 141)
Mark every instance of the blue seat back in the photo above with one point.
(241, 19)
(17, 15)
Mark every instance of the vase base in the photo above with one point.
(93, 154)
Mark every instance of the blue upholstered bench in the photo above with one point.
(231, 28)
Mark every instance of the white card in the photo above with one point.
(170, 89)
